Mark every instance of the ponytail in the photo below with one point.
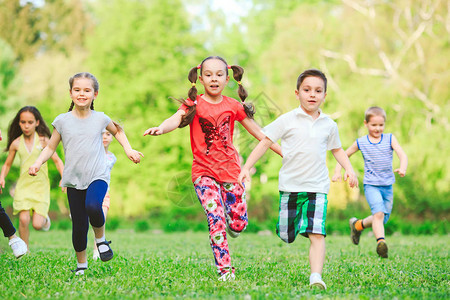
(192, 96)
(237, 75)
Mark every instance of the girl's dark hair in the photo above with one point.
(192, 94)
(96, 87)
(84, 75)
(14, 130)
(312, 73)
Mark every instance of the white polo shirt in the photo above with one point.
(304, 143)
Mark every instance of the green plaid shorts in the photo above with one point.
(302, 213)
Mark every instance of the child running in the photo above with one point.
(27, 136)
(110, 161)
(306, 134)
(17, 245)
(86, 173)
(216, 164)
(376, 148)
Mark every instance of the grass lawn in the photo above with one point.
(152, 265)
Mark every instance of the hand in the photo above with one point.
(34, 169)
(400, 172)
(336, 177)
(2, 185)
(352, 179)
(63, 188)
(154, 131)
(243, 176)
(134, 156)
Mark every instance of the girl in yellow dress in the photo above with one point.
(27, 136)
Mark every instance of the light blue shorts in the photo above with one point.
(380, 198)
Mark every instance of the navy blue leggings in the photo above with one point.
(5, 223)
(85, 206)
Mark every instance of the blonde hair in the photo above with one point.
(374, 111)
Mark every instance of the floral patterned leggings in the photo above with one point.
(223, 203)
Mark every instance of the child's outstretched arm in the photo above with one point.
(9, 160)
(337, 171)
(121, 137)
(168, 125)
(254, 129)
(256, 154)
(46, 153)
(342, 158)
(401, 156)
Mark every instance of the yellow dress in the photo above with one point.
(32, 192)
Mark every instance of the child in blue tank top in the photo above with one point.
(377, 149)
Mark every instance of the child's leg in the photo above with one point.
(94, 199)
(208, 193)
(5, 223)
(39, 221)
(80, 222)
(316, 252)
(24, 222)
(105, 208)
(233, 196)
(376, 222)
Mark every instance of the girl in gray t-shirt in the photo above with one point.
(86, 173)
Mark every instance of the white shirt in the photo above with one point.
(304, 143)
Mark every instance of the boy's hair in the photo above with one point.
(14, 130)
(192, 94)
(311, 73)
(374, 111)
(84, 75)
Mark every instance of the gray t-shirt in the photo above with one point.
(82, 140)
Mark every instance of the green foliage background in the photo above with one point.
(394, 54)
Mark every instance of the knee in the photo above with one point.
(93, 208)
(379, 216)
(24, 219)
(37, 225)
(238, 225)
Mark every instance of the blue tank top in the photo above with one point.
(377, 160)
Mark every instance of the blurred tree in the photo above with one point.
(57, 25)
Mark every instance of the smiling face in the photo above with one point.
(214, 77)
(28, 123)
(311, 95)
(82, 92)
(375, 126)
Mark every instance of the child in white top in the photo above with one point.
(306, 134)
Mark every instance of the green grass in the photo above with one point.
(150, 265)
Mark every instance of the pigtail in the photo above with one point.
(71, 106)
(249, 108)
(92, 105)
(192, 104)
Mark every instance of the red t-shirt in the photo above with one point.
(211, 134)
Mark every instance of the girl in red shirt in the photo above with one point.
(216, 164)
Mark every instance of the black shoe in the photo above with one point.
(79, 271)
(107, 255)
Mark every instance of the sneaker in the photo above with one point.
(315, 281)
(79, 271)
(230, 231)
(354, 234)
(105, 255)
(382, 249)
(46, 227)
(95, 255)
(18, 247)
(228, 276)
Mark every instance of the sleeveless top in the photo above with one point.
(31, 188)
(377, 160)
